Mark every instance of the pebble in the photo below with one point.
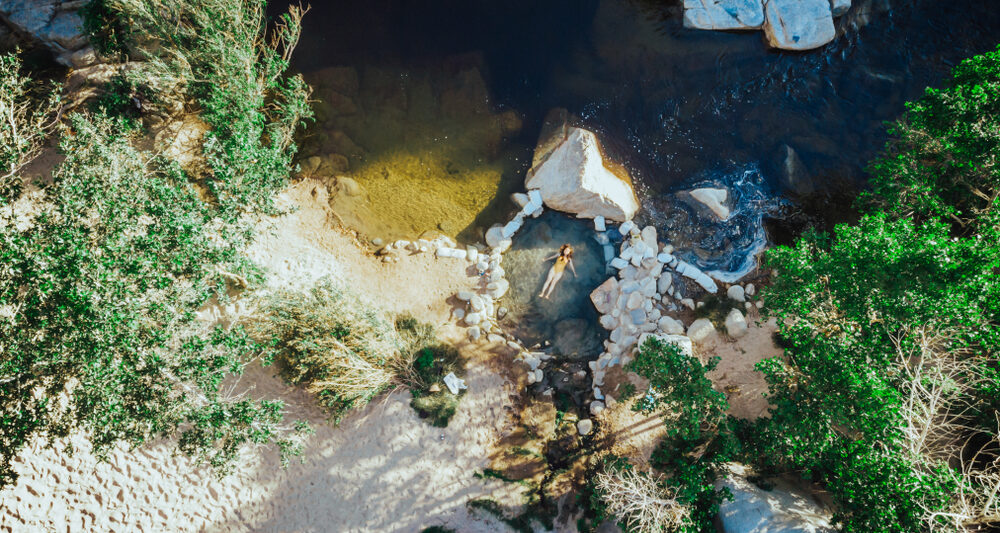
(475, 333)
(585, 426)
(750, 290)
(596, 407)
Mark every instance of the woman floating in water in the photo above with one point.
(563, 258)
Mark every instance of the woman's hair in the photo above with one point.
(564, 248)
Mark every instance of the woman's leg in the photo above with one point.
(548, 281)
(556, 276)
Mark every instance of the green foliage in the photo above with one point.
(28, 110)
(342, 350)
(943, 162)
(108, 34)
(699, 435)
(99, 292)
(840, 406)
(432, 361)
(347, 353)
(679, 388)
(891, 327)
(120, 98)
(220, 53)
(102, 272)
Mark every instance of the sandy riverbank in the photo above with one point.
(383, 469)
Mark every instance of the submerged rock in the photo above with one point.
(714, 199)
(723, 14)
(798, 24)
(574, 178)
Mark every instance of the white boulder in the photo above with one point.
(573, 178)
(681, 341)
(736, 324)
(784, 507)
(670, 326)
(798, 24)
(599, 224)
(723, 14)
(736, 292)
(714, 199)
(701, 330)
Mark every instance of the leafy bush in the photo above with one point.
(943, 161)
(891, 329)
(99, 292)
(100, 278)
(219, 53)
(699, 434)
(347, 353)
(29, 112)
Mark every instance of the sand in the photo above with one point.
(383, 469)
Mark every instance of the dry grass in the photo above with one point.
(340, 348)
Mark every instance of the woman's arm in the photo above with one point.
(571, 267)
(551, 257)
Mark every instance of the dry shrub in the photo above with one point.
(638, 500)
(340, 348)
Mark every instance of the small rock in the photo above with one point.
(759, 304)
(458, 313)
(736, 324)
(585, 426)
(714, 199)
(473, 319)
(475, 333)
(465, 296)
(520, 199)
(596, 407)
(736, 293)
(670, 326)
(700, 330)
(494, 235)
(539, 375)
(689, 303)
(434, 388)
(599, 223)
(749, 290)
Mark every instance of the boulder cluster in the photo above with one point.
(54, 24)
(787, 24)
(648, 287)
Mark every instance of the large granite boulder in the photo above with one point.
(572, 175)
(784, 509)
(798, 24)
(723, 14)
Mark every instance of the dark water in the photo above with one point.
(676, 104)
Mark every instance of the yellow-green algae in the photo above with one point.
(426, 148)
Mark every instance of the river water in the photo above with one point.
(673, 103)
(433, 108)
